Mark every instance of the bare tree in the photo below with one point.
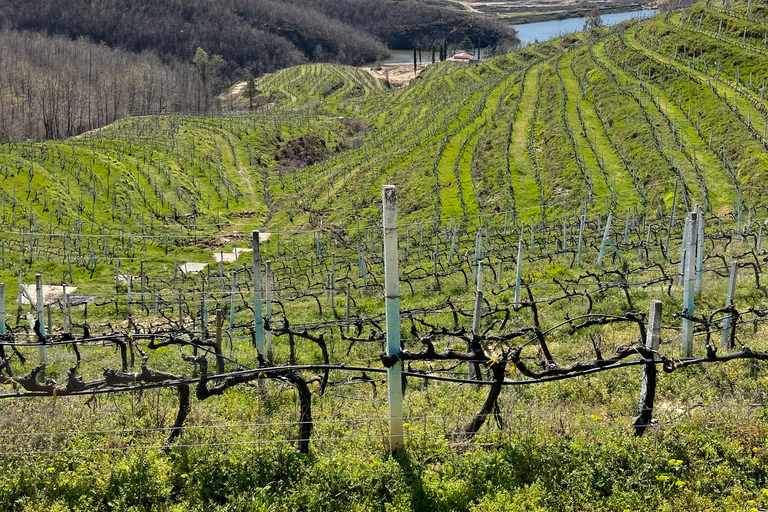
(593, 20)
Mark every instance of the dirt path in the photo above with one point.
(243, 172)
(400, 75)
(466, 5)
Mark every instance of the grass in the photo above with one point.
(309, 171)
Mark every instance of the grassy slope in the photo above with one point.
(565, 445)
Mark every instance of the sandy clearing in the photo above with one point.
(400, 75)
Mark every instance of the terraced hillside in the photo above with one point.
(541, 200)
(611, 120)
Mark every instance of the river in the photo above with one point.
(531, 32)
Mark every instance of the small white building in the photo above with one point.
(462, 56)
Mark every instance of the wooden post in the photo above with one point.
(683, 248)
(2, 309)
(181, 309)
(204, 314)
(392, 300)
(128, 281)
(332, 283)
(478, 253)
(699, 251)
(674, 207)
(725, 337)
(648, 385)
(219, 326)
(689, 283)
(519, 269)
(606, 234)
(18, 299)
(346, 328)
(581, 238)
(258, 320)
(268, 316)
(565, 235)
(232, 303)
(626, 226)
(64, 307)
(40, 317)
(533, 246)
(474, 368)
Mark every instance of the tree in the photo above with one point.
(251, 91)
(593, 20)
(207, 67)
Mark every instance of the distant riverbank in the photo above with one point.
(529, 33)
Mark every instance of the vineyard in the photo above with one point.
(533, 283)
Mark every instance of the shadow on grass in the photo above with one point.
(419, 499)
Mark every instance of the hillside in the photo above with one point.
(53, 87)
(580, 298)
(257, 36)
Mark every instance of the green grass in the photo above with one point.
(309, 170)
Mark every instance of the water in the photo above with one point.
(406, 57)
(531, 32)
(528, 33)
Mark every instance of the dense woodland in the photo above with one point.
(257, 36)
(68, 66)
(54, 87)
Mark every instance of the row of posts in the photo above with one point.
(692, 258)
(692, 253)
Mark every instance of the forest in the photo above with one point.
(257, 36)
(71, 66)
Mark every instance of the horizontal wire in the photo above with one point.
(377, 437)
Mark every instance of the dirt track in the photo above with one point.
(400, 75)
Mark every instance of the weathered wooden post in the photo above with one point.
(392, 300)
(565, 235)
(518, 270)
(533, 241)
(474, 368)
(604, 243)
(232, 301)
(332, 282)
(699, 251)
(648, 385)
(478, 252)
(2, 308)
(626, 225)
(219, 328)
(40, 316)
(725, 337)
(268, 316)
(258, 320)
(204, 314)
(128, 281)
(581, 238)
(346, 326)
(64, 307)
(689, 283)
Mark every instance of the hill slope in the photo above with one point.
(256, 36)
(613, 122)
(641, 121)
